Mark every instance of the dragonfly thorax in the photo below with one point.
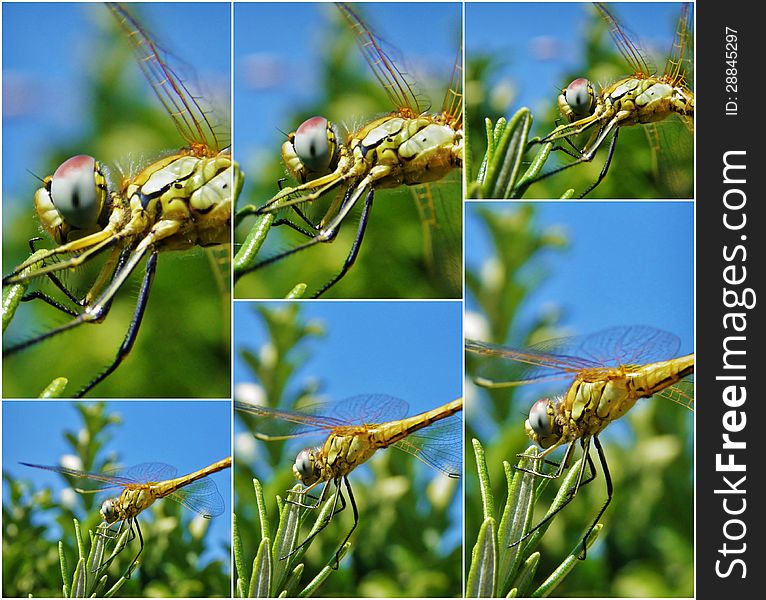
(73, 201)
(312, 150)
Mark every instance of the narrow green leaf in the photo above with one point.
(296, 292)
(260, 584)
(526, 574)
(482, 576)
(239, 559)
(504, 166)
(566, 566)
(55, 389)
(64, 568)
(78, 581)
(12, 294)
(78, 537)
(246, 256)
(116, 587)
(293, 580)
(324, 573)
(487, 499)
(284, 542)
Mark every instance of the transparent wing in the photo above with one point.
(452, 106)
(681, 393)
(401, 91)
(149, 471)
(563, 358)
(191, 118)
(323, 417)
(625, 43)
(679, 66)
(202, 497)
(106, 481)
(441, 220)
(439, 445)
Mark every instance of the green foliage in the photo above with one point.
(640, 174)
(403, 255)
(187, 322)
(34, 563)
(398, 548)
(651, 553)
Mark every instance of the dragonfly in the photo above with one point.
(338, 171)
(356, 428)
(178, 202)
(645, 97)
(607, 373)
(141, 486)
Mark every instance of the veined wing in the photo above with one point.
(681, 393)
(625, 43)
(439, 445)
(563, 358)
(679, 65)
(453, 98)
(202, 497)
(401, 91)
(107, 481)
(324, 417)
(192, 120)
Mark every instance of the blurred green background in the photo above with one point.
(322, 73)
(185, 333)
(557, 43)
(408, 541)
(646, 548)
(182, 557)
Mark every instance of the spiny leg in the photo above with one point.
(572, 492)
(609, 492)
(135, 324)
(335, 510)
(605, 168)
(133, 522)
(351, 258)
(356, 522)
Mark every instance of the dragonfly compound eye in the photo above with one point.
(109, 510)
(540, 422)
(78, 191)
(315, 144)
(580, 97)
(304, 467)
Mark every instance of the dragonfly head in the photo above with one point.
(541, 425)
(577, 100)
(110, 510)
(305, 468)
(71, 202)
(312, 151)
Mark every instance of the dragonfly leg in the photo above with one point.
(561, 466)
(609, 492)
(305, 492)
(135, 323)
(134, 522)
(572, 492)
(605, 168)
(351, 258)
(325, 523)
(356, 522)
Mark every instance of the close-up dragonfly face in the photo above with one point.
(611, 62)
(355, 64)
(77, 89)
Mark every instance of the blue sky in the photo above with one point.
(629, 263)
(45, 46)
(411, 350)
(547, 40)
(186, 434)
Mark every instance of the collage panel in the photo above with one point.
(575, 314)
(319, 387)
(127, 498)
(104, 276)
(585, 99)
(373, 106)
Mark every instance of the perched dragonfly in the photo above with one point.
(644, 97)
(144, 484)
(607, 373)
(337, 171)
(179, 201)
(355, 428)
